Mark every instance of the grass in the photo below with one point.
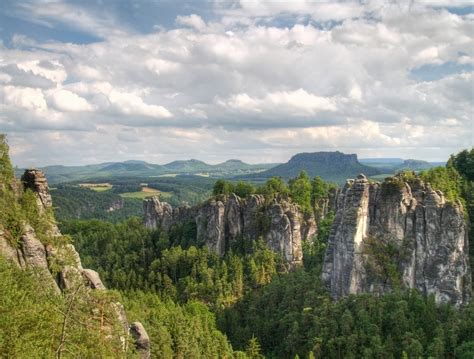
(98, 187)
(145, 192)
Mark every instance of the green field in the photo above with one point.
(146, 192)
(98, 187)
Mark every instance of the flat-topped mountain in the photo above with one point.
(331, 166)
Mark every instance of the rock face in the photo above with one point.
(142, 340)
(36, 181)
(32, 254)
(221, 222)
(425, 235)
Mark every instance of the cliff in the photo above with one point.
(33, 241)
(398, 234)
(221, 222)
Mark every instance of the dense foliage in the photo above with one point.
(73, 202)
(293, 315)
(181, 331)
(130, 257)
(35, 322)
(446, 179)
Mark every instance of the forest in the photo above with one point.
(245, 304)
(255, 305)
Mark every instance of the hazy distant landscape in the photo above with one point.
(79, 192)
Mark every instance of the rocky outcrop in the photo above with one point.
(93, 279)
(142, 340)
(36, 181)
(55, 261)
(402, 225)
(221, 222)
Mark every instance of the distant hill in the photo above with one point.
(393, 165)
(331, 166)
(390, 161)
(417, 165)
(130, 166)
(134, 169)
(234, 164)
(188, 166)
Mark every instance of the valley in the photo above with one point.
(239, 264)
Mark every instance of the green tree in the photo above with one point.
(445, 179)
(222, 187)
(244, 189)
(253, 349)
(273, 186)
(300, 190)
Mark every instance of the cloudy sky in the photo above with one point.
(158, 80)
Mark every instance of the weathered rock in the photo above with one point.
(36, 181)
(210, 226)
(157, 214)
(34, 256)
(92, 279)
(220, 222)
(430, 235)
(141, 339)
(233, 219)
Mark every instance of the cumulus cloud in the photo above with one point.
(65, 100)
(292, 103)
(192, 20)
(260, 77)
(25, 98)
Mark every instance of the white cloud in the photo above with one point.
(193, 20)
(132, 104)
(51, 70)
(238, 85)
(296, 103)
(323, 11)
(65, 100)
(27, 98)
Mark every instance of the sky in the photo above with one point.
(93, 81)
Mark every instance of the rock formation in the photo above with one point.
(220, 222)
(141, 338)
(400, 233)
(55, 261)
